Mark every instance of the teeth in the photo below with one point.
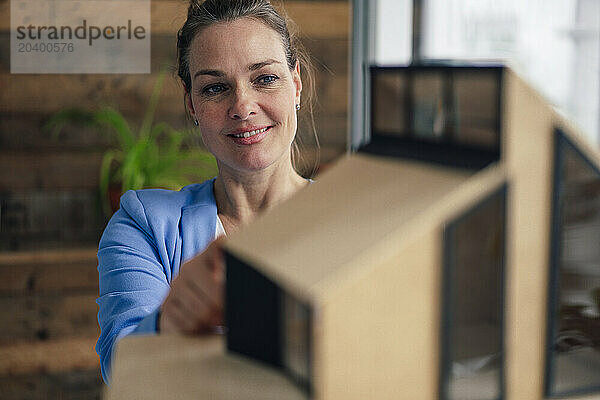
(248, 134)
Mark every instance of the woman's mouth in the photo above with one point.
(250, 133)
(250, 137)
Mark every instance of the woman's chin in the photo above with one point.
(252, 164)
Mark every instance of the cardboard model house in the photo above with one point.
(454, 256)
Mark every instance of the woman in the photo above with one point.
(241, 73)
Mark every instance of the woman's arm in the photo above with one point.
(133, 280)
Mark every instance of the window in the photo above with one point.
(573, 345)
(472, 365)
(441, 114)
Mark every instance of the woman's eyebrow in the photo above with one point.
(211, 72)
(251, 67)
(259, 65)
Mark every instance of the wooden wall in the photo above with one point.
(49, 328)
(50, 217)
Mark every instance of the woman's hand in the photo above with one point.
(195, 301)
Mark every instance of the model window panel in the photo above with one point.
(252, 314)
(389, 108)
(574, 359)
(266, 323)
(476, 108)
(296, 340)
(429, 112)
(444, 115)
(474, 303)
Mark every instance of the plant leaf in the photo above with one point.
(149, 116)
(108, 116)
(68, 116)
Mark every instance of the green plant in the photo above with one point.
(154, 156)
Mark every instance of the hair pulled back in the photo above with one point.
(204, 13)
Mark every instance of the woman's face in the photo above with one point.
(244, 95)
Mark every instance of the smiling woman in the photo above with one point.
(160, 269)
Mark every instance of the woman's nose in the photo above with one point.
(243, 105)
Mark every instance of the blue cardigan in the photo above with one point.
(141, 250)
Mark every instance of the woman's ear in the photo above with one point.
(297, 81)
(189, 105)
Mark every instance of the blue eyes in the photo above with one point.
(213, 89)
(266, 79)
(219, 88)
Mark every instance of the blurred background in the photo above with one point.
(54, 203)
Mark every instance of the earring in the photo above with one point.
(196, 122)
(297, 107)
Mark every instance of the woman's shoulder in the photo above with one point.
(159, 202)
(155, 218)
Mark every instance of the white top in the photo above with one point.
(219, 229)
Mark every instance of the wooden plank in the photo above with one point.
(328, 55)
(168, 16)
(328, 19)
(47, 257)
(323, 19)
(331, 129)
(88, 235)
(52, 270)
(127, 93)
(25, 131)
(325, 155)
(4, 15)
(48, 317)
(4, 50)
(334, 93)
(42, 219)
(68, 385)
(49, 357)
(49, 171)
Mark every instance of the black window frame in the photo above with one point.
(447, 151)
(254, 319)
(561, 143)
(449, 246)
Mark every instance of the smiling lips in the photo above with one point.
(250, 137)
(250, 133)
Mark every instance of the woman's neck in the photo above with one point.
(240, 197)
